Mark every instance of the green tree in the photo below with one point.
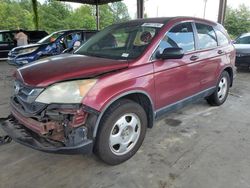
(82, 17)
(106, 16)
(13, 16)
(113, 13)
(53, 16)
(237, 21)
(120, 12)
(35, 13)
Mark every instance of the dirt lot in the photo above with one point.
(197, 147)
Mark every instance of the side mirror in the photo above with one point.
(171, 53)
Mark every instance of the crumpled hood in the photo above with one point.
(27, 46)
(242, 48)
(66, 67)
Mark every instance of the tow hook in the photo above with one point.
(4, 139)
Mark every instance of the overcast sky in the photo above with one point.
(154, 8)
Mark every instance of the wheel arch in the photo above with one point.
(138, 96)
(229, 70)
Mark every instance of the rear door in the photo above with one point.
(225, 46)
(209, 54)
(6, 43)
(176, 79)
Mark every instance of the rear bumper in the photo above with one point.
(24, 136)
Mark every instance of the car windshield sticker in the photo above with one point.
(158, 25)
(125, 55)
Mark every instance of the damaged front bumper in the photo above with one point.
(22, 135)
(65, 129)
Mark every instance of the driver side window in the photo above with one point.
(180, 36)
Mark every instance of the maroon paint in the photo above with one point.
(66, 67)
(165, 81)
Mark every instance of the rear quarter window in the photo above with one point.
(1, 37)
(206, 36)
(6, 37)
(222, 38)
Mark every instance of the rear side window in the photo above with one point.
(6, 37)
(221, 37)
(243, 40)
(206, 36)
(181, 36)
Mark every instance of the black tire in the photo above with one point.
(114, 113)
(214, 99)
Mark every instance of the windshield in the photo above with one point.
(50, 38)
(120, 41)
(243, 40)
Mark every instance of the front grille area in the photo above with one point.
(24, 99)
(12, 54)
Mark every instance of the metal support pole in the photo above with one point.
(205, 6)
(97, 15)
(140, 8)
(222, 11)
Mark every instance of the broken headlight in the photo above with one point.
(66, 92)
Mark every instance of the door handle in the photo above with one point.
(194, 58)
(220, 52)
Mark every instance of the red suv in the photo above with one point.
(105, 95)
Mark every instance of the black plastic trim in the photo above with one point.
(23, 136)
(180, 104)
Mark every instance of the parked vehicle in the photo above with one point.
(53, 44)
(105, 95)
(242, 46)
(7, 41)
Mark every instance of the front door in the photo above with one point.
(176, 79)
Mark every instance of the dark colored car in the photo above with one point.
(7, 41)
(105, 95)
(53, 44)
(242, 46)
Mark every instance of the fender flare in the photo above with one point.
(96, 126)
(231, 76)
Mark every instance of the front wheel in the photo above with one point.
(221, 92)
(122, 131)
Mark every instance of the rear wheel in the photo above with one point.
(122, 131)
(221, 92)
